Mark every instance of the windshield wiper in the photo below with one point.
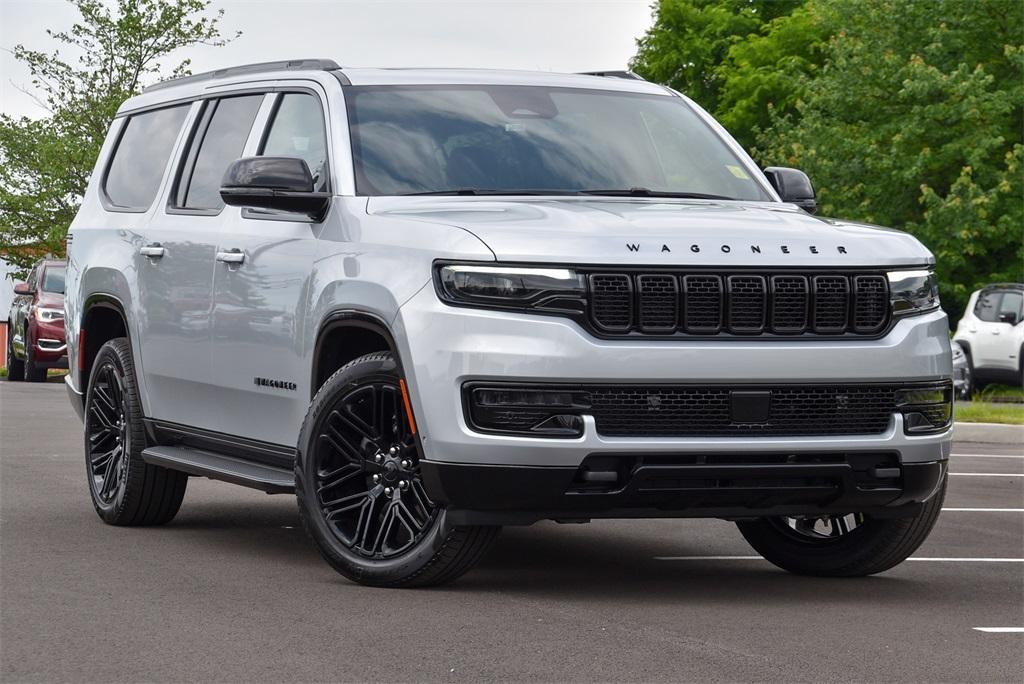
(646, 192)
(489, 191)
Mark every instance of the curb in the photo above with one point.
(991, 433)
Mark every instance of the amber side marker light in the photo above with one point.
(408, 406)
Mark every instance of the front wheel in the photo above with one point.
(15, 366)
(33, 373)
(851, 545)
(359, 490)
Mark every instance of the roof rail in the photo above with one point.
(283, 65)
(613, 74)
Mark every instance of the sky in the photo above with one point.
(551, 35)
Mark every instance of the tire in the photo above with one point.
(968, 389)
(359, 491)
(15, 366)
(873, 545)
(32, 372)
(125, 490)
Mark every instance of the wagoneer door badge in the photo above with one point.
(275, 384)
(726, 249)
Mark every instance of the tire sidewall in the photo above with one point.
(115, 352)
(348, 563)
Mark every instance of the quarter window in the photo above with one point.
(297, 130)
(219, 140)
(133, 177)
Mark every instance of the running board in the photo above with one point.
(218, 467)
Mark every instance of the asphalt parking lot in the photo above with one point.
(232, 590)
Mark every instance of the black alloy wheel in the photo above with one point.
(125, 490)
(368, 484)
(107, 434)
(359, 487)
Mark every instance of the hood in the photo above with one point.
(653, 231)
(50, 300)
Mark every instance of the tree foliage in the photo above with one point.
(45, 163)
(904, 114)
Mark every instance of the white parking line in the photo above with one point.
(1001, 630)
(926, 559)
(989, 474)
(983, 510)
(1016, 456)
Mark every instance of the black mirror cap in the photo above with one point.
(278, 183)
(793, 186)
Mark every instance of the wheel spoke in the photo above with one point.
(339, 476)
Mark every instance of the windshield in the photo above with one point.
(53, 279)
(518, 139)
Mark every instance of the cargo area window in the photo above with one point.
(140, 158)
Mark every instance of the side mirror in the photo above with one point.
(793, 186)
(22, 289)
(1008, 317)
(280, 183)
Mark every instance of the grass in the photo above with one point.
(985, 412)
(52, 373)
(1001, 393)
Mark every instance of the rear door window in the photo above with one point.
(137, 167)
(219, 140)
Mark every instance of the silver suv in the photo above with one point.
(434, 302)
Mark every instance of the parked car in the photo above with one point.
(35, 324)
(963, 382)
(434, 302)
(991, 334)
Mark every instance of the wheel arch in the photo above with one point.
(103, 319)
(345, 335)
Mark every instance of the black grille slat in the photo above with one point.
(674, 411)
(870, 303)
(658, 302)
(702, 303)
(612, 301)
(789, 303)
(747, 303)
(712, 304)
(831, 302)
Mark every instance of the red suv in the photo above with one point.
(35, 336)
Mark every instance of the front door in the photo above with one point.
(262, 286)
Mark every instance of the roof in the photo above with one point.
(189, 87)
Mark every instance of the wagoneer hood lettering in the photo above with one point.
(659, 232)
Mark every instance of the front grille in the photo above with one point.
(738, 304)
(681, 411)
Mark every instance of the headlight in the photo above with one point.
(913, 292)
(558, 290)
(47, 315)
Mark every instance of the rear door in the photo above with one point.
(262, 286)
(176, 265)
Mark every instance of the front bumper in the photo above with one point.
(444, 347)
(521, 495)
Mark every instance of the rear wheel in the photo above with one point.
(125, 489)
(359, 490)
(850, 545)
(15, 366)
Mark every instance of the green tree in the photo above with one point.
(915, 122)
(736, 58)
(45, 163)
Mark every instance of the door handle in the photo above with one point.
(234, 256)
(995, 332)
(153, 251)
